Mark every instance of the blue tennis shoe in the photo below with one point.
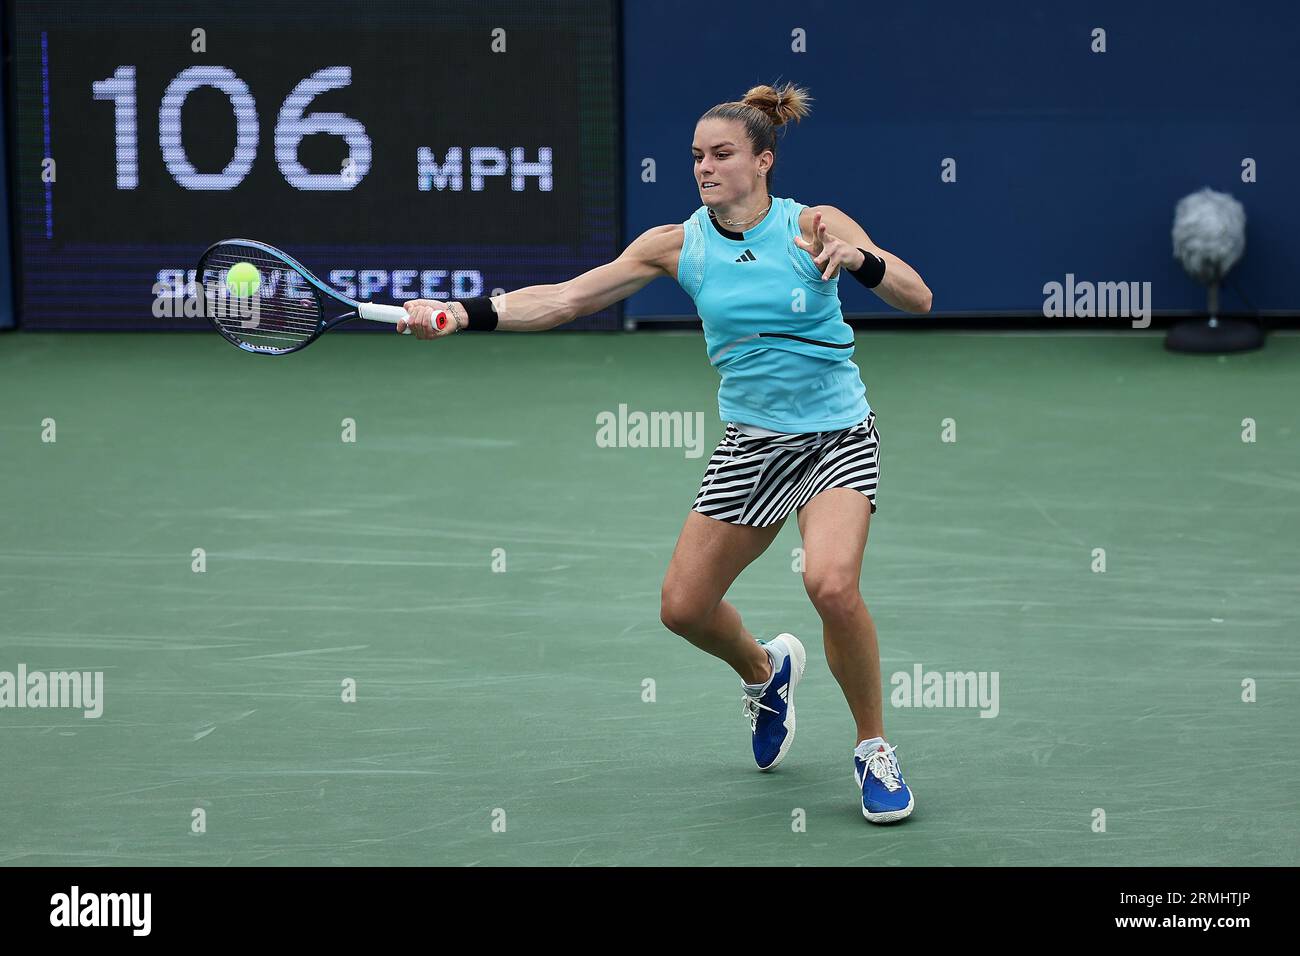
(885, 794)
(770, 708)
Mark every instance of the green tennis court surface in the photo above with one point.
(480, 690)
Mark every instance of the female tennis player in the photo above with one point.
(800, 435)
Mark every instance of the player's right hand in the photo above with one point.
(427, 319)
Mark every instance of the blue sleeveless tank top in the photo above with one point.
(772, 326)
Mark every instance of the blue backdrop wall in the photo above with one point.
(6, 275)
(1067, 160)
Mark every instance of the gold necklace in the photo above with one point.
(741, 222)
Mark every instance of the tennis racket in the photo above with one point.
(289, 309)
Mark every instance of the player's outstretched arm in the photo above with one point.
(537, 308)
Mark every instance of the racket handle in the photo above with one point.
(392, 314)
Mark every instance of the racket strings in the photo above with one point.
(283, 312)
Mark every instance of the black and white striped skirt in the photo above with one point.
(758, 480)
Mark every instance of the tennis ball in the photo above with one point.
(243, 279)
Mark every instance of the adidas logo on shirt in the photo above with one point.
(748, 257)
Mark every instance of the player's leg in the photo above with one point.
(834, 526)
(738, 511)
(709, 556)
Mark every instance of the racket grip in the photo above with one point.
(392, 314)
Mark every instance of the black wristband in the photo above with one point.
(482, 316)
(872, 270)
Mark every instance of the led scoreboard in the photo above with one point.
(428, 148)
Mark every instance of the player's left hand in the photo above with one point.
(829, 252)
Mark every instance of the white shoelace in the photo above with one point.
(749, 707)
(884, 765)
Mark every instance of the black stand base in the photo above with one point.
(1215, 335)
